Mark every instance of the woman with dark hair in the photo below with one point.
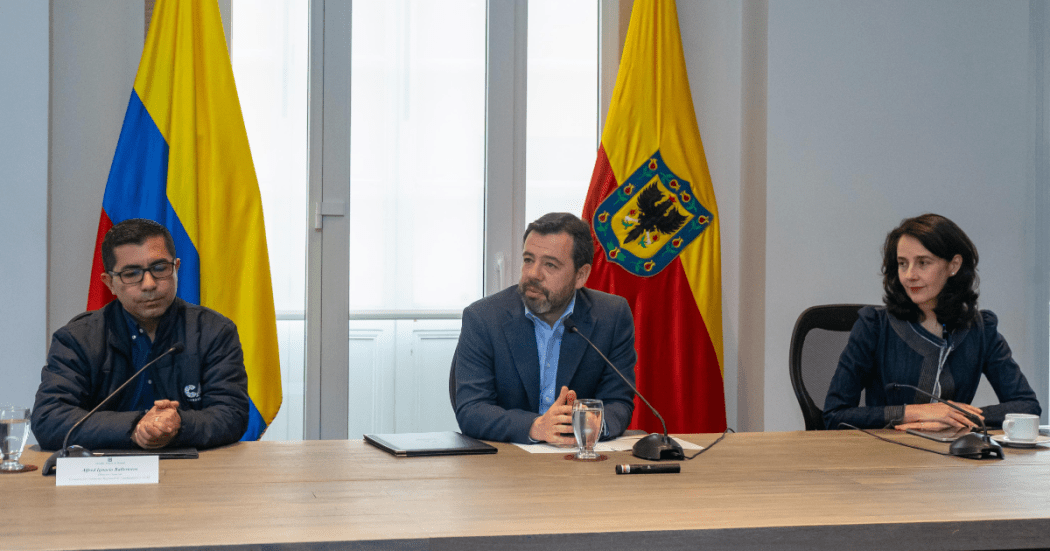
(929, 335)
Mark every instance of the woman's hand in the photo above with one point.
(933, 417)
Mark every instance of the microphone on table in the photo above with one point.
(656, 446)
(972, 445)
(80, 451)
(649, 469)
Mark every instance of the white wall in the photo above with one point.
(23, 209)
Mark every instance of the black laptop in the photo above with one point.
(420, 444)
(163, 453)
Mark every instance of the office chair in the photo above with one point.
(820, 335)
(452, 380)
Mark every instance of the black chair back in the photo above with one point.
(820, 335)
(452, 380)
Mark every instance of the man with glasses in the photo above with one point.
(195, 398)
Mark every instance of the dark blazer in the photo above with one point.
(497, 367)
(883, 349)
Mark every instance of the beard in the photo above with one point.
(548, 301)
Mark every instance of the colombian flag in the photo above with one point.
(182, 160)
(652, 209)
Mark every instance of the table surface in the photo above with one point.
(790, 490)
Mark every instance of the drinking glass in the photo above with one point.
(14, 430)
(587, 426)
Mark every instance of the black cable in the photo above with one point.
(893, 441)
(728, 430)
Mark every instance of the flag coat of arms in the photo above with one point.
(182, 159)
(652, 209)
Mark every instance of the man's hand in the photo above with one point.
(160, 424)
(553, 425)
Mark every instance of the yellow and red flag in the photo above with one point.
(183, 160)
(652, 209)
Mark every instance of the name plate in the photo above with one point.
(95, 471)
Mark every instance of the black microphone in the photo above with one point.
(656, 446)
(649, 469)
(972, 445)
(80, 451)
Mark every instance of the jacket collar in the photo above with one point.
(573, 346)
(118, 336)
(521, 339)
(930, 347)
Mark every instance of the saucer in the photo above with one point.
(1002, 439)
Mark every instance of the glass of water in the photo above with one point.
(587, 426)
(14, 430)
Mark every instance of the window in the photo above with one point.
(417, 131)
(417, 153)
(269, 56)
(562, 130)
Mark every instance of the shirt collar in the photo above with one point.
(565, 314)
(132, 323)
(162, 323)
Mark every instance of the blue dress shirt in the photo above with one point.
(548, 343)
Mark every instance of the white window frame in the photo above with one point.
(327, 282)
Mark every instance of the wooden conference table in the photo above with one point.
(794, 490)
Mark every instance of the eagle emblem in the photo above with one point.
(649, 219)
(655, 215)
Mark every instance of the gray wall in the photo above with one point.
(882, 110)
(855, 115)
(96, 48)
(23, 209)
(711, 39)
(824, 124)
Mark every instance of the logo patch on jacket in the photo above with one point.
(192, 393)
(649, 219)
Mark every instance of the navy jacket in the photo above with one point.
(497, 365)
(883, 349)
(91, 356)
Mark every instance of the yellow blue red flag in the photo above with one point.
(652, 209)
(182, 159)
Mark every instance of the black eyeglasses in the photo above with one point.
(160, 270)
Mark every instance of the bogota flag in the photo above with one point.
(652, 208)
(182, 159)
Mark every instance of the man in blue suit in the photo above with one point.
(517, 370)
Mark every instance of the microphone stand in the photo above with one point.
(80, 451)
(655, 446)
(972, 445)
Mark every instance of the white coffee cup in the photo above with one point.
(1021, 427)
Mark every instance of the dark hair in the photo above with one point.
(564, 222)
(957, 302)
(133, 231)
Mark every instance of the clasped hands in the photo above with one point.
(159, 426)
(939, 416)
(556, 423)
